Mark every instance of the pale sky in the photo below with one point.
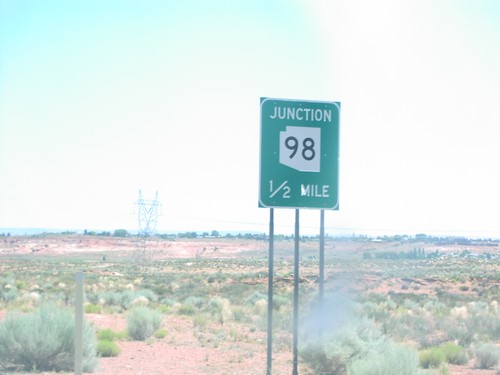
(101, 99)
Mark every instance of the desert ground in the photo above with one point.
(178, 270)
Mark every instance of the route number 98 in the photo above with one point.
(300, 148)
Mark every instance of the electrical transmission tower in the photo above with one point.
(148, 212)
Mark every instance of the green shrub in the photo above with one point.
(432, 357)
(161, 333)
(106, 334)
(454, 353)
(143, 322)
(107, 348)
(92, 308)
(487, 355)
(44, 341)
(448, 352)
(110, 335)
(164, 309)
(21, 284)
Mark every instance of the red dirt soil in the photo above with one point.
(180, 353)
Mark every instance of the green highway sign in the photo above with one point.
(299, 154)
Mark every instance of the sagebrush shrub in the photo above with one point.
(333, 353)
(143, 322)
(220, 309)
(44, 341)
(8, 295)
(487, 355)
(279, 301)
(197, 302)
(388, 359)
(186, 309)
(200, 321)
(325, 361)
(254, 297)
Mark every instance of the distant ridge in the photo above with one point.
(337, 232)
(34, 231)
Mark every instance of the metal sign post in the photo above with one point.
(79, 324)
(321, 259)
(270, 306)
(299, 152)
(296, 279)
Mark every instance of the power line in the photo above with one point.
(147, 215)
